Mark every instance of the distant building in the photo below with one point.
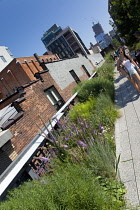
(65, 43)
(107, 39)
(112, 34)
(97, 29)
(5, 57)
(95, 48)
(103, 39)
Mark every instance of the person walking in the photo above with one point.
(125, 61)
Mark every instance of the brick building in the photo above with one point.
(32, 91)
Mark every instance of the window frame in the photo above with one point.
(3, 58)
(54, 97)
(74, 75)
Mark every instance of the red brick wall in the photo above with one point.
(22, 72)
(35, 106)
(11, 80)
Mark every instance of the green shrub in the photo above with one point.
(95, 86)
(108, 58)
(106, 71)
(83, 109)
(105, 110)
(72, 187)
(137, 47)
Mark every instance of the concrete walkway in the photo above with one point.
(127, 135)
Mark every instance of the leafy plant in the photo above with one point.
(83, 109)
(105, 110)
(137, 47)
(94, 87)
(72, 187)
(107, 71)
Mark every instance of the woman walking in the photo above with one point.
(125, 61)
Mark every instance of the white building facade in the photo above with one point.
(5, 57)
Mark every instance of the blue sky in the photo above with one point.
(23, 22)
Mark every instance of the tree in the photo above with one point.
(126, 16)
(116, 43)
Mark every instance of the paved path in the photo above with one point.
(127, 135)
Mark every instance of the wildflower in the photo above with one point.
(83, 130)
(44, 159)
(92, 138)
(52, 136)
(81, 143)
(101, 128)
(58, 122)
(65, 146)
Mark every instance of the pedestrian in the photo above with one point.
(125, 61)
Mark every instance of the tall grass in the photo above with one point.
(72, 187)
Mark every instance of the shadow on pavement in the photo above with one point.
(125, 93)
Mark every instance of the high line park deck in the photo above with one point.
(127, 136)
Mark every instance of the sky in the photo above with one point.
(23, 22)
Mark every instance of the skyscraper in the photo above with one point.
(97, 29)
(65, 43)
(103, 39)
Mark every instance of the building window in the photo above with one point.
(59, 49)
(60, 56)
(56, 43)
(3, 59)
(10, 114)
(63, 54)
(9, 52)
(84, 68)
(74, 75)
(54, 97)
(66, 52)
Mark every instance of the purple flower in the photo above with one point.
(81, 143)
(93, 131)
(84, 130)
(77, 133)
(65, 146)
(52, 136)
(101, 128)
(92, 138)
(58, 122)
(44, 159)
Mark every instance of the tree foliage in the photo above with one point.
(116, 43)
(126, 16)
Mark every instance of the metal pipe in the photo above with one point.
(1, 79)
(9, 71)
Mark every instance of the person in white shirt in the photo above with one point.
(127, 62)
